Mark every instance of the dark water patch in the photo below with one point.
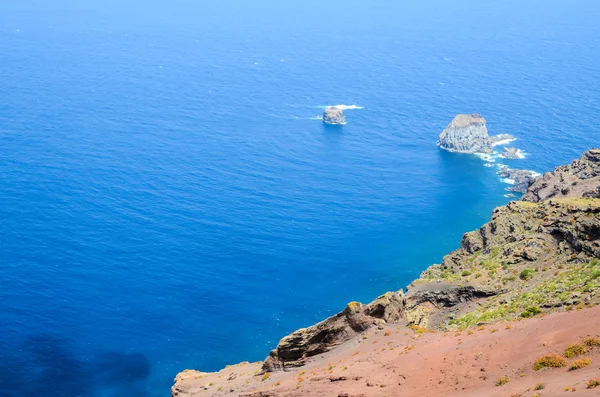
(46, 365)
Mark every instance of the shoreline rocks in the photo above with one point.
(469, 134)
(333, 116)
(523, 179)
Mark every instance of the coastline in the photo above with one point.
(448, 296)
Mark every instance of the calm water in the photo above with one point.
(169, 201)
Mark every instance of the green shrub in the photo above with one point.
(467, 273)
(526, 274)
(531, 311)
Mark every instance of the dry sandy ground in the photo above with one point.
(396, 361)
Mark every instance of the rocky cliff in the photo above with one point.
(535, 257)
(469, 134)
(581, 178)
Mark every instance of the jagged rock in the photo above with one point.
(295, 349)
(469, 134)
(333, 115)
(511, 153)
(446, 294)
(581, 178)
(522, 178)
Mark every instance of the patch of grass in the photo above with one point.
(574, 350)
(266, 376)
(502, 381)
(578, 364)
(466, 273)
(531, 311)
(549, 361)
(526, 274)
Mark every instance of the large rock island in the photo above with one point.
(469, 134)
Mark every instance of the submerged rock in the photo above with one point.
(511, 153)
(469, 134)
(522, 179)
(333, 115)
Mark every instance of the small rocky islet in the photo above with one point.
(333, 115)
(536, 259)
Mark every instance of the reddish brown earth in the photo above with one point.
(397, 361)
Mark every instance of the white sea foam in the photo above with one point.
(508, 181)
(489, 165)
(316, 118)
(344, 107)
(504, 142)
(486, 157)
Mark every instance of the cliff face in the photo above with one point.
(468, 134)
(533, 258)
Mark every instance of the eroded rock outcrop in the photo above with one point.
(295, 349)
(522, 179)
(333, 116)
(469, 134)
(581, 178)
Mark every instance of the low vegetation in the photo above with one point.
(575, 350)
(578, 364)
(527, 274)
(549, 361)
(502, 381)
(591, 342)
(593, 383)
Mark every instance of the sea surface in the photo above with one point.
(169, 198)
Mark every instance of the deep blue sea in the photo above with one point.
(169, 199)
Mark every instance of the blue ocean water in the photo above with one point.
(169, 200)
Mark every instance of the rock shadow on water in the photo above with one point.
(46, 365)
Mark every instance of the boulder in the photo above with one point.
(511, 153)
